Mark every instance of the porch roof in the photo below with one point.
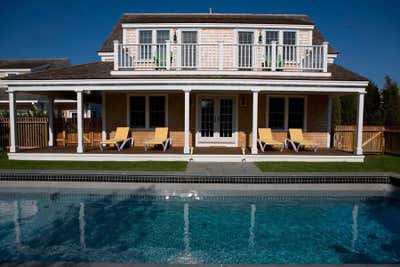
(102, 70)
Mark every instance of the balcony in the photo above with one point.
(272, 58)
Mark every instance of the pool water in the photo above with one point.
(191, 228)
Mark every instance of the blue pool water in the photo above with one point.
(122, 227)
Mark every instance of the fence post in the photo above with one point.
(116, 61)
(325, 60)
(168, 54)
(220, 56)
(273, 56)
(13, 122)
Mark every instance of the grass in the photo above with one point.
(5, 163)
(380, 163)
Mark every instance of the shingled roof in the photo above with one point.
(31, 63)
(102, 70)
(116, 33)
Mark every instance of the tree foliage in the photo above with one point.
(381, 107)
(373, 111)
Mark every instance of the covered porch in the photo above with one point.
(209, 118)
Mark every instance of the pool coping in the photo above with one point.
(106, 264)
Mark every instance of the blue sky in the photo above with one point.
(366, 33)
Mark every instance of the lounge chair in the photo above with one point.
(160, 138)
(120, 139)
(297, 140)
(265, 139)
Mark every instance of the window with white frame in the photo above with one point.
(271, 36)
(289, 46)
(145, 41)
(286, 112)
(147, 111)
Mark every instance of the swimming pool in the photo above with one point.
(198, 228)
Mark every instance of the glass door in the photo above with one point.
(207, 117)
(216, 125)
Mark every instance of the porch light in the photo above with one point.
(260, 38)
(175, 39)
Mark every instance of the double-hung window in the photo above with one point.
(286, 112)
(270, 36)
(289, 46)
(145, 44)
(147, 111)
(161, 50)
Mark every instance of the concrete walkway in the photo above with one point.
(215, 169)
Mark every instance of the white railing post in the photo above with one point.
(329, 124)
(168, 54)
(220, 56)
(360, 117)
(116, 52)
(50, 116)
(186, 148)
(103, 116)
(325, 55)
(255, 122)
(13, 122)
(179, 48)
(273, 56)
(79, 122)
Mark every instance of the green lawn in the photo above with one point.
(380, 163)
(91, 165)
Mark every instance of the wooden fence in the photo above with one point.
(32, 132)
(392, 140)
(66, 131)
(376, 139)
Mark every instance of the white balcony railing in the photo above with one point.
(221, 56)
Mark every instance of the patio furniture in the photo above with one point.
(160, 138)
(265, 139)
(296, 137)
(120, 139)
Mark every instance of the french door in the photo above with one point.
(216, 121)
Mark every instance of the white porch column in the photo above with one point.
(255, 122)
(103, 116)
(329, 122)
(13, 122)
(79, 103)
(360, 117)
(50, 116)
(186, 148)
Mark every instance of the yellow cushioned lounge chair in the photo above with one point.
(265, 139)
(160, 138)
(297, 140)
(120, 139)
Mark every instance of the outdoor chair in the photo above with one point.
(298, 142)
(120, 139)
(160, 138)
(265, 139)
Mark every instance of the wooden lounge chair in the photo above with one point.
(297, 140)
(265, 139)
(120, 139)
(160, 138)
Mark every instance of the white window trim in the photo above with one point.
(179, 41)
(286, 108)
(153, 40)
(147, 110)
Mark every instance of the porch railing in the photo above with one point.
(221, 56)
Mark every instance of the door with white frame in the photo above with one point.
(216, 121)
